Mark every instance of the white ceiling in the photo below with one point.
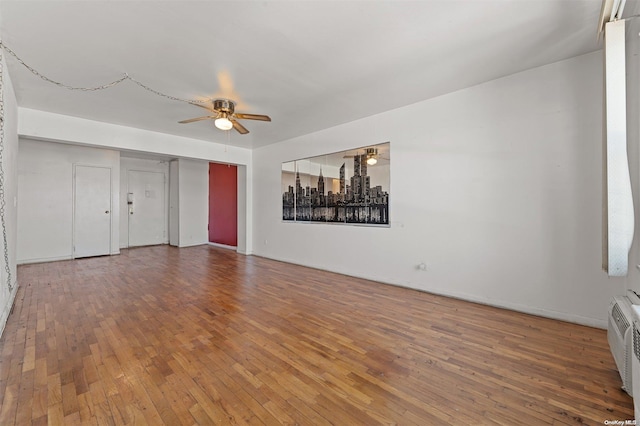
(308, 64)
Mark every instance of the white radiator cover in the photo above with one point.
(620, 335)
(635, 361)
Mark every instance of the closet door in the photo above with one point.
(92, 211)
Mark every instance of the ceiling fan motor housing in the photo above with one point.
(223, 105)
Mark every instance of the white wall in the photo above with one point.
(193, 202)
(497, 188)
(45, 202)
(139, 164)
(10, 168)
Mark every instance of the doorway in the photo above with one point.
(91, 211)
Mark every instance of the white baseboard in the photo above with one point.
(43, 259)
(193, 244)
(56, 258)
(144, 245)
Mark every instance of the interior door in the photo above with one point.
(92, 211)
(223, 204)
(146, 208)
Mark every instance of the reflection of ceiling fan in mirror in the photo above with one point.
(371, 154)
(225, 117)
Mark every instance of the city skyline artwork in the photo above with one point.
(347, 187)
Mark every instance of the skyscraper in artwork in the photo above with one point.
(299, 190)
(321, 183)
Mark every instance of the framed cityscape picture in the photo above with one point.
(347, 187)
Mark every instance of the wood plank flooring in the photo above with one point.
(202, 335)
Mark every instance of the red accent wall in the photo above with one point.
(223, 204)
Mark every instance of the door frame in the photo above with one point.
(73, 210)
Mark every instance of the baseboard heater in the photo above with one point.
(635, 361)
(620, 335)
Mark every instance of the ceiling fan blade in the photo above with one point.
(252, 116)
(239, 127)
(205, 106)
(191, 120)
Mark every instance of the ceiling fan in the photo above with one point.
(225, 117)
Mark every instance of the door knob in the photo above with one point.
(106, 211)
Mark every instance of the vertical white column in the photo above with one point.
(243, 245)
(619, 201)
(174, 204)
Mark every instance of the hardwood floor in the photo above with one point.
(201, 335)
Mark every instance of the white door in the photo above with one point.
(147, 209)
(92, 211)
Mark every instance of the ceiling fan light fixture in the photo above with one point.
(223, 123)
(372, 156)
